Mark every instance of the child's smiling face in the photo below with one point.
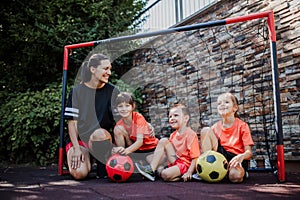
(125, 109)
(177, 118)
(226, 106)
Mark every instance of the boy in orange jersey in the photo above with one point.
(229, 136)
(180, 151)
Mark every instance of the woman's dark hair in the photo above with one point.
(124, 97)
(93, 61)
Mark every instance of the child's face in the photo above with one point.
(125, 109)
(177, 119)
(226, 107)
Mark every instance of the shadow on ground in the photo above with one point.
(45, 183)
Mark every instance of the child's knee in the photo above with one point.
(236, 175)
(205, 131)
(119, 131)
(163, 141)
(165, 175)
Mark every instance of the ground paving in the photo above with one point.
(45, 183)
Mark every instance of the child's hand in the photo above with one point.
(187, 176)
(236, 161)
(120, 150)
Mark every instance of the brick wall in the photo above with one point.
(196, 66)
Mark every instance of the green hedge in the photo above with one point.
(30, 126)
(29, 123)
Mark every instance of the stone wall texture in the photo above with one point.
(194, 67)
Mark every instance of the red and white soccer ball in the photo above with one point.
(119, 168)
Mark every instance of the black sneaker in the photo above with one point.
(146, 171)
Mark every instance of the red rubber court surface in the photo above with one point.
(45, 183)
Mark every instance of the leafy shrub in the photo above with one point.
(29, 123)
(30, 126)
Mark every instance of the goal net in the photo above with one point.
(193, 65)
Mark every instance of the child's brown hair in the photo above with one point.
(124, 97)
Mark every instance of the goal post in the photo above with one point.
(269, 15)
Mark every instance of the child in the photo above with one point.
(181, 150)
(132, 132)
(229, 136)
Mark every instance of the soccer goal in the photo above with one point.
(193, 64)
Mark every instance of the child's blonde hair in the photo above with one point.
(184, 109)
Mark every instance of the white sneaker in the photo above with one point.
(197, 177)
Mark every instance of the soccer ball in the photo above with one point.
(212, 166)
(119, 168)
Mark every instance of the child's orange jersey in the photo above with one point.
(186, 145)
(139, 125)
(235, 138)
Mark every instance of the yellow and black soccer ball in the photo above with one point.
(212, 166)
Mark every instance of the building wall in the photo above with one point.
(196, 66)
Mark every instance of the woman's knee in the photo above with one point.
(79, 173)
(100, 135)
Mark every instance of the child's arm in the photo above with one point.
(238, 159)
(136, 145)
(188, 175)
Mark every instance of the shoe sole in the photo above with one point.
(144, 173)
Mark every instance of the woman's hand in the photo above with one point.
(76, 158)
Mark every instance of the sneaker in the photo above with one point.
(146, 171)
(197, 177)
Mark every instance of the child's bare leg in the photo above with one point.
(236, 174)
(171, 174)
(121, 137)
(163, 146)
(208, 140)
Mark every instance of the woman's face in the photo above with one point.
(103, 71)
(125, 109)
(226, 107)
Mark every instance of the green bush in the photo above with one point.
(30, 126)
(29, 123)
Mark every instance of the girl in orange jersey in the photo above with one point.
(132, 133)
(230, 136)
